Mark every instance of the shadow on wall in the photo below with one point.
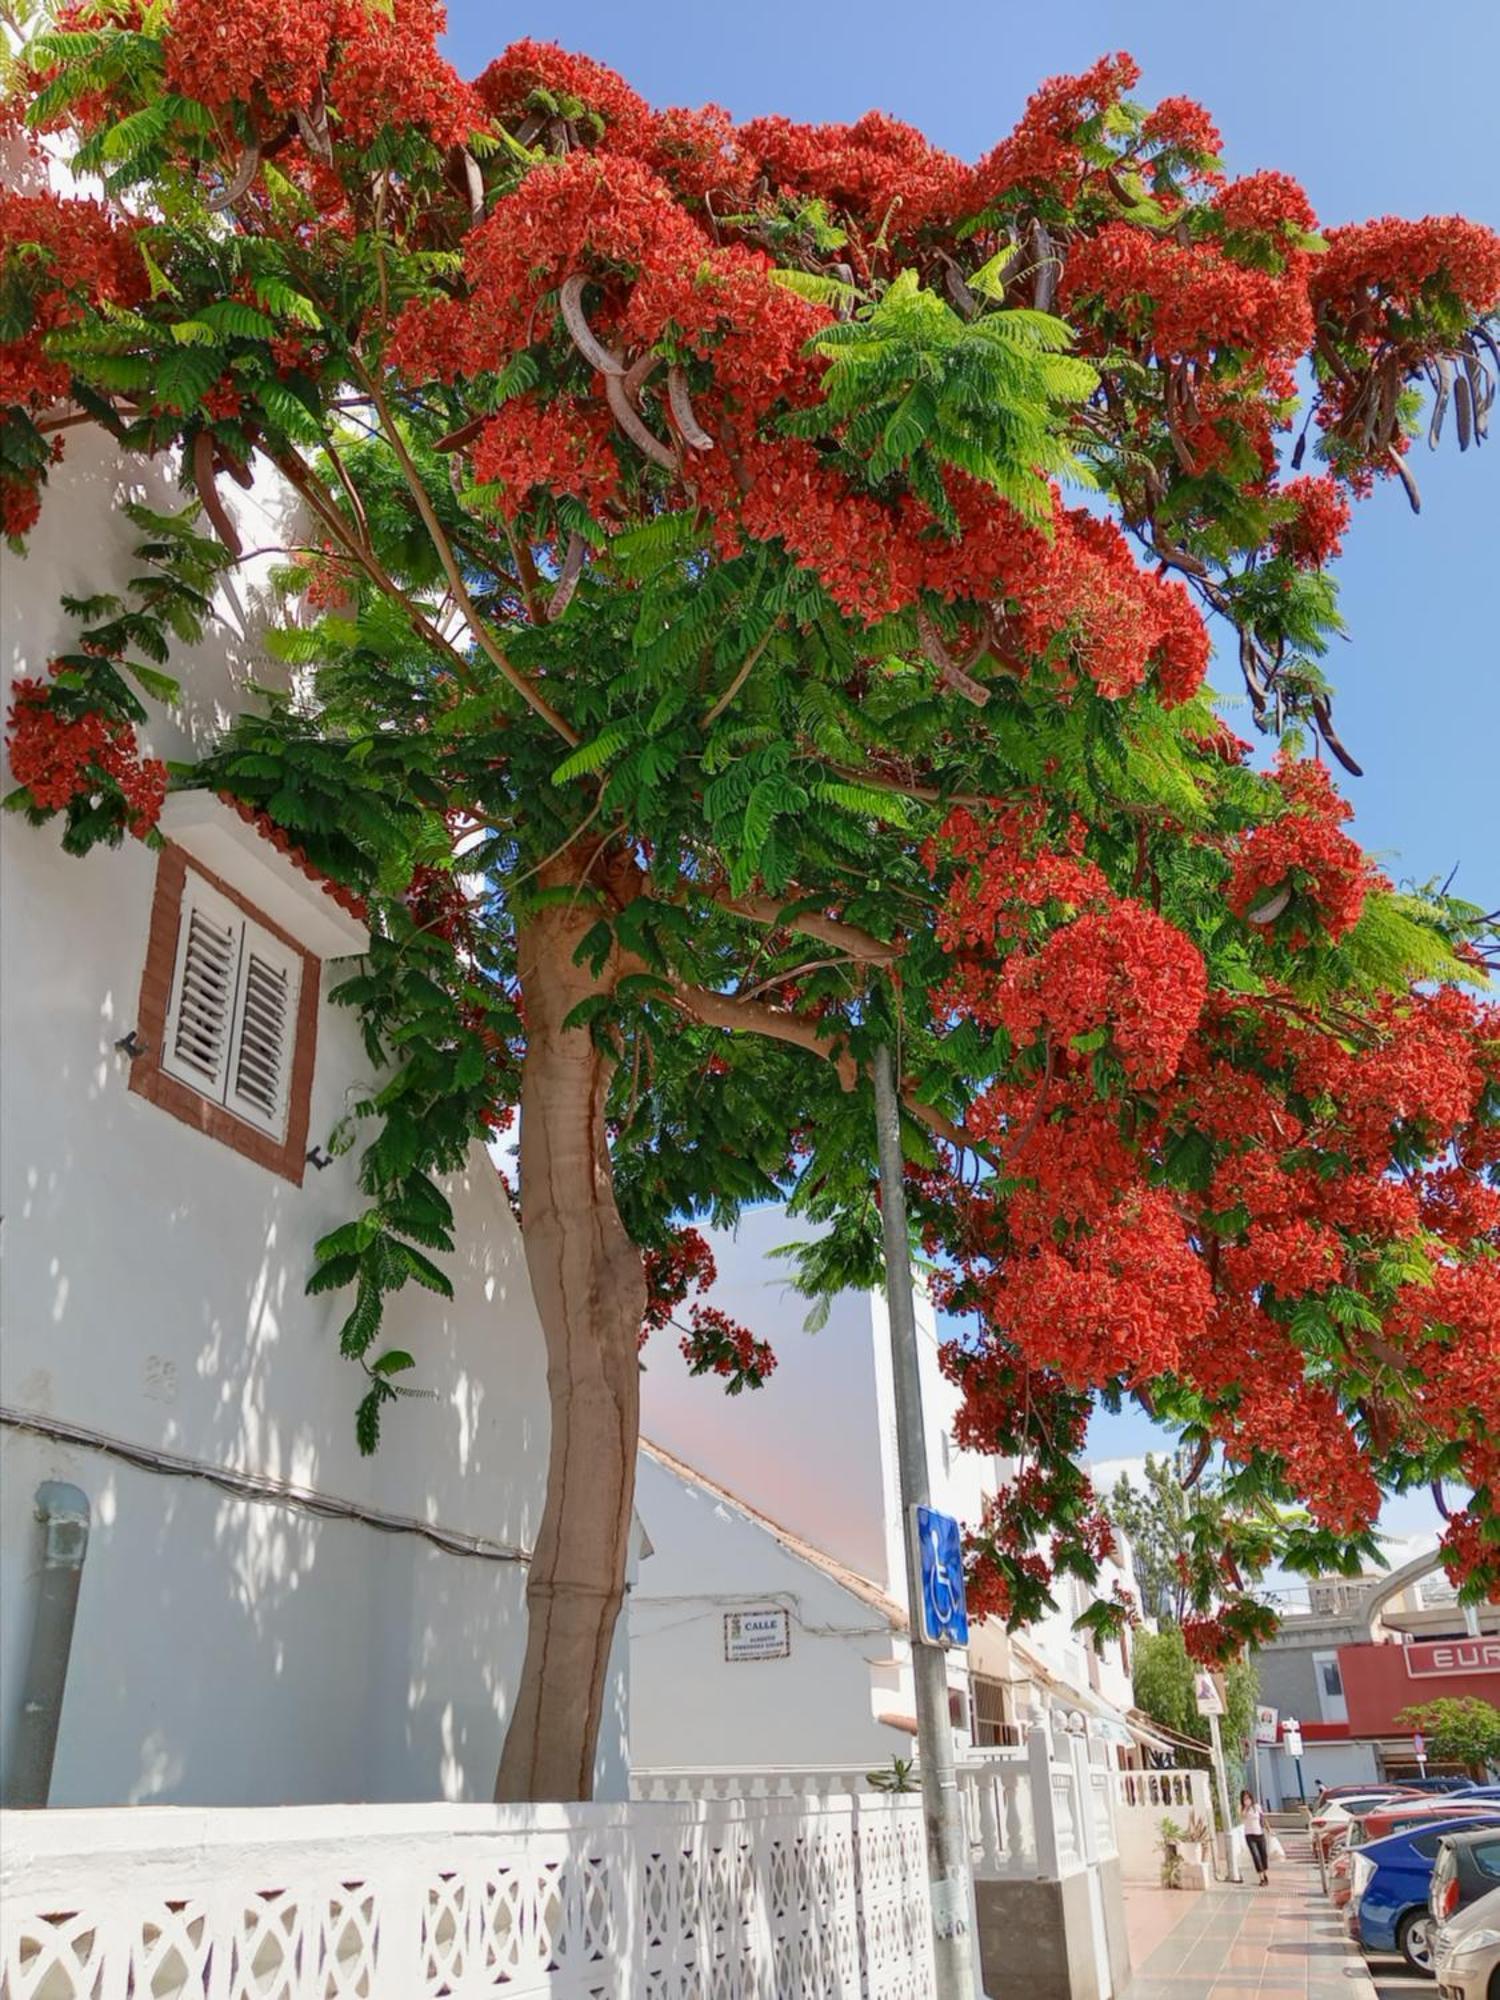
(229, 1650)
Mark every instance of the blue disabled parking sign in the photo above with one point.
(944, 1619)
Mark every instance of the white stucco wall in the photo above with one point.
(816, 1447)
(805, 1448)
(231, 1651)
(692, 1707)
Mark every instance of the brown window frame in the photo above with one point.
(287, 1156)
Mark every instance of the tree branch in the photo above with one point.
(302, 481)
(741, 677)
(495, 654)
(846, 938)
(723, 1010)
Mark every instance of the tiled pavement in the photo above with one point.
(1247, 1943)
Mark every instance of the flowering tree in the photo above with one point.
(688, 549)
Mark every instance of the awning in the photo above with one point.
(1149, 1735)
(1110, 1724)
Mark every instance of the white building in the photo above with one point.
(786, 1502)
(264, 1616)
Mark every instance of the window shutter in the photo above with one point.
(201, 1019)
(264, 1032)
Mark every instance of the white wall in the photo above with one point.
(816, 1447)
(231, 1651)
(805, 1448)
(689, 1705)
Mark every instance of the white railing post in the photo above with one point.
(1043, 1815)
(991, 1850)
(1086, 1839)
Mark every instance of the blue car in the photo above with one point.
(1389, 1882)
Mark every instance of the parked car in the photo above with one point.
(1467, 1867)
(1466, 1952)
(1390, 1882)
(1378, 1824)
(1328, 1792)
(1331, 1819)
(1397, 1816)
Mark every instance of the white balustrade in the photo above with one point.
(1142, 1800)
(748, 1898)
(1039, 1812)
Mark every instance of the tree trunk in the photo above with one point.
(590, 1293)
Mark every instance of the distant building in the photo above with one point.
(1367, 1648)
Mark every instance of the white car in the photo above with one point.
(1466, 1952)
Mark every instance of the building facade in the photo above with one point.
(786, 1503)
(264, 1616)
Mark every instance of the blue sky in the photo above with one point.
(1378, 109)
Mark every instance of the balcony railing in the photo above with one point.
(740, 1897)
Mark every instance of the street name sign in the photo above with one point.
(757, 1635)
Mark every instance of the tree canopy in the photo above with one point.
(755, 601)
(1460, 1729)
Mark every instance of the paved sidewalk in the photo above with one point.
(1281, 1943)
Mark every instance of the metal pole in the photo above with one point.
(63, 1511)
(948, 1860)
(1231, 1851)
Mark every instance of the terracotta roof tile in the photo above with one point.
(281, 840)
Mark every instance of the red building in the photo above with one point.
(1380, 1681)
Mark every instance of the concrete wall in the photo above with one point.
(231, 1651)
(1054, 1940)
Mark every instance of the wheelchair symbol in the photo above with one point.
(944, 1615)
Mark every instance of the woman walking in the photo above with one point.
(1253, 1822)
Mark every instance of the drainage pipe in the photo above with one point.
(63, 1511)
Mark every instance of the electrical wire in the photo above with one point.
(259, 1486)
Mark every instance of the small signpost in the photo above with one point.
(1209, 1700)
(1209, 1697)
(942, 1612)
(757, 1635)
(1265, 1733)
(1419, 1746)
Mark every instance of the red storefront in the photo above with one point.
(1381, 1681)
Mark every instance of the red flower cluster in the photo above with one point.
(1324, 874)
(1314, 535)
(1381, 280)
(58, 758)
(686, 1264)
(697, 153)
(561, 446)
(884, 174)
(378, 65)
(718, 1345)
(1187, 301)
(1045, 152)
(1124, 971)
(58, 256)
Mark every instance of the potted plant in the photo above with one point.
(1171, 1858)
(1194, 1839)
